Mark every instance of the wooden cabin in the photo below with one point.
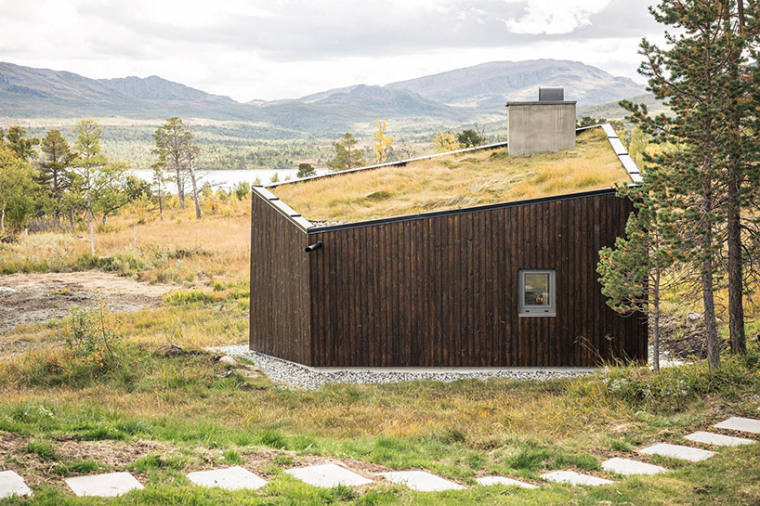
(473, 258)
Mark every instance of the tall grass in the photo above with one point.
(174, 249)
(457, 181)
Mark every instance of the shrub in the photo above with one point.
(674, 388)
(94, 336)
(242, 190)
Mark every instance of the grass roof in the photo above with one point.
(457, 181)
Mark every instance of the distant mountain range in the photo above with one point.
(455, 97)
(489, 85)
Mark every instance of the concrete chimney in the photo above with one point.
(540, 127)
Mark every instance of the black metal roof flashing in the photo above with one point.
(310, 228)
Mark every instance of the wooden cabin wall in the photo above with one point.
(279, 319)
(443, 290)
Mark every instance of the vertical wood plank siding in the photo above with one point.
(280, 299)
(442, 290)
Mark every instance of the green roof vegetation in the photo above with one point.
(475, 178)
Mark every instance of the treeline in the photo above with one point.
(237, 146)
(49, 179)
(48, 182)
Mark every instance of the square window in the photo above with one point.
(537, 293)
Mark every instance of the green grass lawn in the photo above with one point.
(69, 406)
(66, 413)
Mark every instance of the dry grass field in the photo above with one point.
(70, 407)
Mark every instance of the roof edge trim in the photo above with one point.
(291, 214)
(315, 229)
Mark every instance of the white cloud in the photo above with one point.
(286, 48)
(555, 16)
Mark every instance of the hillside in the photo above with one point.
(489, 85)
(165, 406)
(464, 96)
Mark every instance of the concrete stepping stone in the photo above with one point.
(12, 484)
(103, 485)
(575, 479)
(740, 424)
(678, 452)
(710, 438)
(501, 480)
(328, 476)
(630, 467)
(422, 481)
(231, 478)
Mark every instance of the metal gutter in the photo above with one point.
(628, 164)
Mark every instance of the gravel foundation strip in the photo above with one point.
(309, 378)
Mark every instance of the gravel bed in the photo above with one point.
(307, 378)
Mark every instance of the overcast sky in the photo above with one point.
(248, 49)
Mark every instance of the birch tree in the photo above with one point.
(17, 187)
(382, 143)
(89, 159)
(176, 152)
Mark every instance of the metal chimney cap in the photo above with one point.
(551, 94)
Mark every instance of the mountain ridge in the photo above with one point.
(463, 95)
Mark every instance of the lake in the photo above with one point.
(225, 179)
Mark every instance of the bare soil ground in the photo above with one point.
(34, 298)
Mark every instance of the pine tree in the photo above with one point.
(20, 144)
(53, 168)
(347, 156)
(741, 150)
(305, 170)
(703, 75)
(633, 273)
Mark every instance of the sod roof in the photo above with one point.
(456, 181)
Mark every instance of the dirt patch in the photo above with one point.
(682, 337)
(34, 298)
(121, 455)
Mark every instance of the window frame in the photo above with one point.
(532, 311)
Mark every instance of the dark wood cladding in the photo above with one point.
(442, 290)
(279, 321)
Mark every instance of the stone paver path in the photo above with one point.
(710, 438)
(575, 479)
(328, 476)
(677, 452)
(231, 478)
(740, 424)
(103, 485)
(501, 480)
(331, 475)
(421, 481)
(12, 484)
(630, 467)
